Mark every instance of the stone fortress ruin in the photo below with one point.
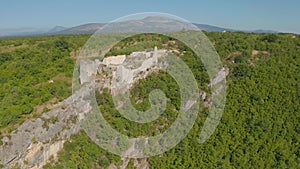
(118, 73)
(38, 140)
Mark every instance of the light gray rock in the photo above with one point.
(35, 141)
(88, 69)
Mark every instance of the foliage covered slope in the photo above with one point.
(34, 70)
(260, 127)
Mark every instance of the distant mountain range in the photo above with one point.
(93, 27)
(22, 32)
(57, 29)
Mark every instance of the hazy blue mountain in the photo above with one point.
(91, 28)
(57, 29)
(82, 29)
(264, 31)
(210, 28)
(22, 31)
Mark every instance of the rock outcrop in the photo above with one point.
(88, 69)
(38, 140)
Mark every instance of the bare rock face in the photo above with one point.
(38, 140)
(125, 71)
(221, 75)
(88, 69)
(114, 60)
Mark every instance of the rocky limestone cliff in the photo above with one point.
(37, 140)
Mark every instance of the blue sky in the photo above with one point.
(281, 15)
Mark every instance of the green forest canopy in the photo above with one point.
(259, 129)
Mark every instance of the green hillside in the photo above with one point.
(260, 127)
